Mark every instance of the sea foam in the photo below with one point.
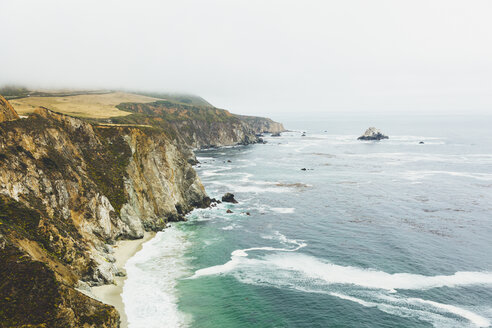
(283, 268)
(149, 293)
(283, 210)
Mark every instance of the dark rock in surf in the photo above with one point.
(204, 203)
(229, 211)
(120, 274)
(229, 198)
(193, 161)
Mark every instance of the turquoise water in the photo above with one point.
(372, 234)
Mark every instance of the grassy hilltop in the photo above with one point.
(187, 118)
(100, 105)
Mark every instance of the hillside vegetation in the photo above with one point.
(185, 99)
(96, 106)
(187, 118)
(71, 187)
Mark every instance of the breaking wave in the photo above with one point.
(151, 298)
(284, 268)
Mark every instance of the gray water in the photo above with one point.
(372, 234)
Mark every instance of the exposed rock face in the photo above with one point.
(37, 289)
(229, 198)
(199, 127)
(200, 134)
(7, 112)
(68, 190)
(372, 134)
(160, 184)
(262, 124)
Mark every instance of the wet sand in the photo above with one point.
(111, 294)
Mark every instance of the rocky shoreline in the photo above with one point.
(111, 294)
(70, 190)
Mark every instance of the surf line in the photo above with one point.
(236, 259)
(474, 318)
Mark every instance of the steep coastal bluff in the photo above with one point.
(7, 112)
(198, 126)
(70, 188)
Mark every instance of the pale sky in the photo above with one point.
(260, 56)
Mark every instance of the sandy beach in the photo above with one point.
(111, 294)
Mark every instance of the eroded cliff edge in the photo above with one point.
(198, 126)
(70, 189)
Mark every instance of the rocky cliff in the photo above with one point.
(68, 191)
(262, 124)
(70, 188)
(7, 112)
(198, 126)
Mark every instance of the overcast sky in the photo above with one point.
(260, 56)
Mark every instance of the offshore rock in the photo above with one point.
(372, 134)
(229, 198)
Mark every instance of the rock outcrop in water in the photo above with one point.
(229, 198)
(372, 134)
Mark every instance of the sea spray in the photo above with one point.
(149, 293)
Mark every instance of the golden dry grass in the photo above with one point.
(89, 106)
(109, 125)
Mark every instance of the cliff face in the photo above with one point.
(68, 190)
(7, 112)
(202, 134)
(198, 126)
(262, 124)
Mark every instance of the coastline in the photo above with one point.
(111, 294)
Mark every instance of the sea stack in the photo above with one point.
(229, 198)
(372, 134)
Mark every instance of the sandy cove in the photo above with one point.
(111, 294)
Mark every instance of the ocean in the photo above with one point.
(372, 234)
